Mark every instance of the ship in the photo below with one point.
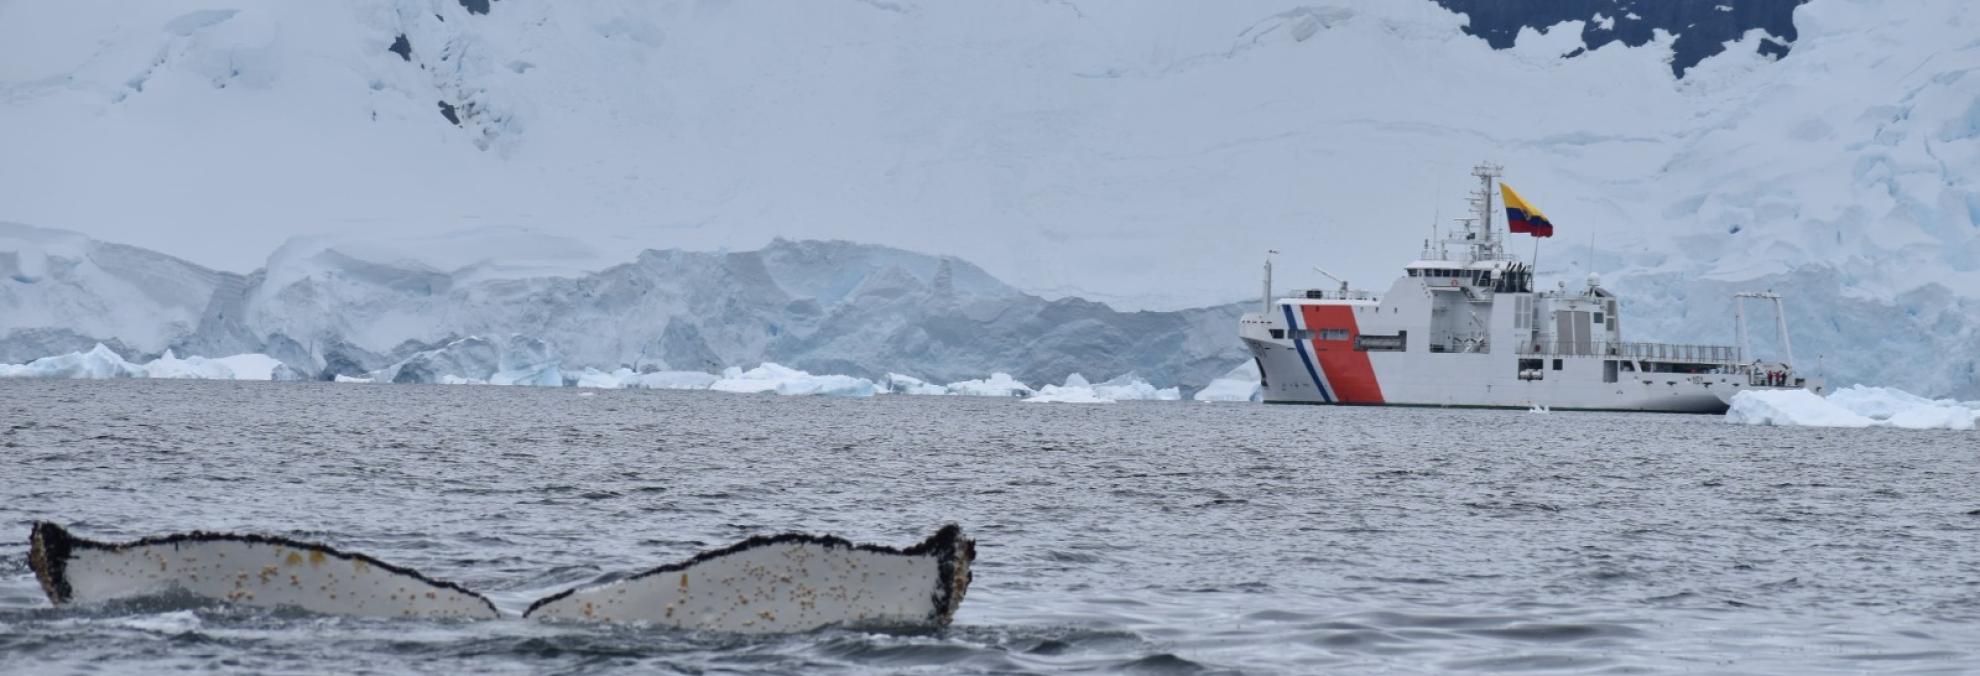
(1464, 326)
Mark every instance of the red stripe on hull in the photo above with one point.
(1346, 368)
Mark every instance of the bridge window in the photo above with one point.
(1557, 364)
(1278, 334)
(1333, 334)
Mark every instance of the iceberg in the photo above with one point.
(1854, 406)
(1240, 384)
(997, 385)
(770, 377)
(1125, 387)
(671, 380)
(592, 377)
(625, 378)
(1130, 387)
(257, 366)
(171, 366)
(1075, 391)
(901, 384)
(99, 363)
(253, 366)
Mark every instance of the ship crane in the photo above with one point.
(1780, 322)
(1343, 282)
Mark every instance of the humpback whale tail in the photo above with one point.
(254, 570)
(781, 583)
(768, 583)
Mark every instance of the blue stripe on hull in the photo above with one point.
(1303, 358)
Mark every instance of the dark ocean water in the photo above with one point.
(1165, 538)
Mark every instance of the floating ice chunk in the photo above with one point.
(673, 380)
(1898, 408)
(547, 375)
(1054, 394)
(841, 386)
(1240, 384)
(1129, 386)
(658, 380)
(1855, 406)
(763, 378)
(99, 363)
(997, 385)
(252, 366)
(170, 366)
(770, 377)
(1076, 391)
(900, 384)
(1791, 407)
(341, 378)
(602, 380)
(257, 366)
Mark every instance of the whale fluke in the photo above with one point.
(784, 583)
(768, 583)
(254, 570)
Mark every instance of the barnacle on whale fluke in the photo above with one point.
(768, 583)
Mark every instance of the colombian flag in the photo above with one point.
(1522, 217)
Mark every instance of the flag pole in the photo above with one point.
(1536, 259)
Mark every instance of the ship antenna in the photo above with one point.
(1438, 215)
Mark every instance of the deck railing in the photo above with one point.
(1332, 294)
(1693, 354)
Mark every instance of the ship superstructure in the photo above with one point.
(1465, 326)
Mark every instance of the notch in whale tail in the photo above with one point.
(785, 583)
(768, 583)
(254, 570)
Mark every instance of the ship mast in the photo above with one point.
(1486, 247)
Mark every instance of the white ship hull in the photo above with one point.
(1473, 380)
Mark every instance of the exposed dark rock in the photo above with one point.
(447, 111)
(476, 6)
(1702, 29)
(402, 47)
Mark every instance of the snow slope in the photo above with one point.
(1137, 153)
(63, 292)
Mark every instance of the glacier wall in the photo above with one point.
(386, 309)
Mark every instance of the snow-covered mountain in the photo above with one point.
(1142, 154)
(440, 305)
